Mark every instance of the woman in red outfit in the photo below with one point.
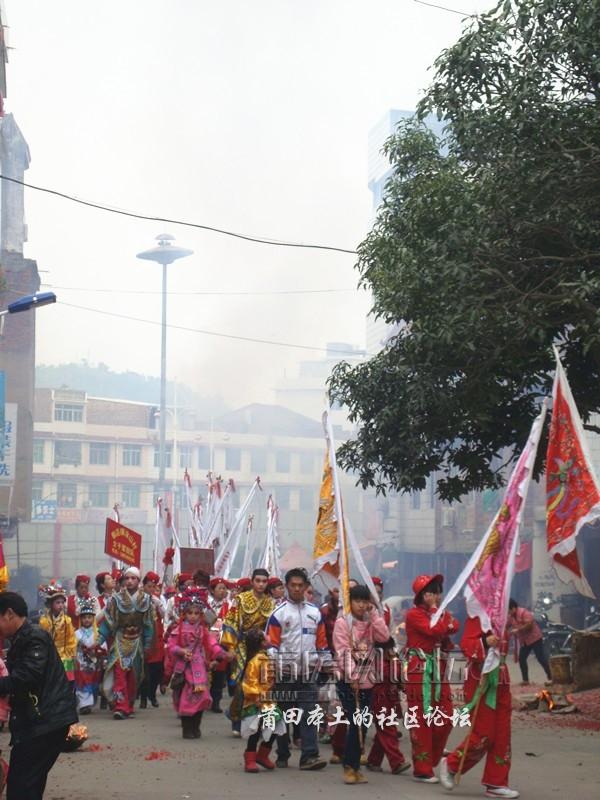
(490, 735)
(426, 690)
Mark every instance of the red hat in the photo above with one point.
(100, 576)
(377, 580)
(274, 581)
(216, 581)
(81, 579)
(183, 577)
(151, 576)
(169, 591)
(116, 574)
(421, 581)
(243, 583)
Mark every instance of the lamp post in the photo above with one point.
(164, 253)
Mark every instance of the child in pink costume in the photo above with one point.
(192, 649)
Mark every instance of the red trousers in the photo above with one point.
(338, 740)
(490, 736)
(124, 689)
(427, 739)
(385, 699)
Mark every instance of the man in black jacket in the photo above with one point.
(42, 702)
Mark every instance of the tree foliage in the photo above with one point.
(487, 250)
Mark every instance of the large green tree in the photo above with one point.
(486, 250)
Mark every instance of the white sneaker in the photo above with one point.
(501, 791)
(446, 777)
(424, 779)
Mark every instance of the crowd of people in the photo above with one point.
(292, 671)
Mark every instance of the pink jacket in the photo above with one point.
(353, 643)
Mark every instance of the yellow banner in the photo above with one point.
(325, 552)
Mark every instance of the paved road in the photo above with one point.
(114, 765)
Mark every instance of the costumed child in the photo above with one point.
(490, 705)
(59, 626)
(192, 649)
(261, 719)
(88, 659)
(427, 690)
(385, 703)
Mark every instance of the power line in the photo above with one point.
(199, 292)
(211, 333)
(245, 237)
(444, 8)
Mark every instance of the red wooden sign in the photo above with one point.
(193, 558)
(122, 543)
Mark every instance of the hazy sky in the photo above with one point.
(250, 116)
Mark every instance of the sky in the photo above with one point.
(253, 117)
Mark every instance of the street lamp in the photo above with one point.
(25, 303)
(165, 253)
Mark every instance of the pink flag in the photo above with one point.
(572, 491)
(489, 573)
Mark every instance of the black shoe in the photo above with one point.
(119, 715)
(313, 763)
(281, 763)
(187, 728)
(154, 702)
(216, 708)
(144, 703)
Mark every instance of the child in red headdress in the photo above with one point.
(192, 649)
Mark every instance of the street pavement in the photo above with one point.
(146, 758)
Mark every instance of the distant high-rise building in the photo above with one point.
(378, 332)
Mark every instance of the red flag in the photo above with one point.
(572, 491)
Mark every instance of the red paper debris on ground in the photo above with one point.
(158, 755)
(95, 748)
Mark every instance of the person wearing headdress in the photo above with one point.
(88, 659)
(192, 648)
(424, 669)
(181, 581)
(105, 586)
(250, 609)
(219, 605)
(276, 589)
(154, 657)
(80, 595)
(127, 626)
(59, 626)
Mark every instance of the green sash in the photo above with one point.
(431, 673)
(489, 685)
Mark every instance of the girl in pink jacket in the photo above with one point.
(353, 638)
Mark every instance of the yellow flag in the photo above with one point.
(326, 552)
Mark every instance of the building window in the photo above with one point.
(68, 412)
(258, 462)
(98, 495)
(307, 500)
(66, 495)
(204, 457)
(131, 496)
(282, 461)
(37, 491)
(282, 497)
(307, 463)
(99, 453)
(132, 455)
(38, 451)
(185, 457)
(67, 453)
(168, 454)
(233, 458)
